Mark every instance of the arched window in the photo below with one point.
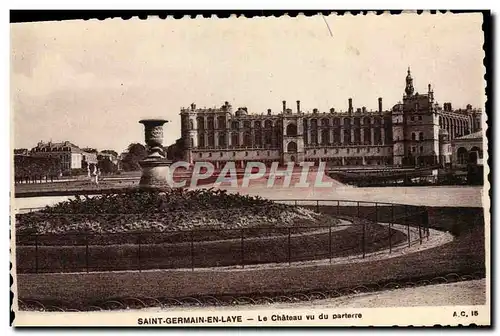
(211, 142)
(413, 137)
(291, 130)
(268, 138)
(247, 139)
(292, 147)
(258, 138)
(201, 122)
(210, 122)
(191, 124)
(221, 122)
(235, 125)
(201, 140)
(222, 139)
(421, 136)
(235, 139)
(478, 150)
(325, 137)
(462, 155)
(314, 123)
(347, 136)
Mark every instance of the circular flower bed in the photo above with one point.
(162, 211)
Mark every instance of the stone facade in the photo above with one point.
(70, 155)
(407, 134)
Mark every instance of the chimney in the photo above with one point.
(268, 111)
(380, 104)
(332, 110)
(298, 106)
(363, 109)
(315, 110)
(284, 106)
(350, 105)
(193, 106)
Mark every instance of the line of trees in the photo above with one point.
(30, 169)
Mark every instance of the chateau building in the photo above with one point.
(416, 131)
(70, 155)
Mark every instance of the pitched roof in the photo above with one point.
(475, 135)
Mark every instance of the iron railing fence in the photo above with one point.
(363, 228)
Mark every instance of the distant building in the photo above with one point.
(90, 155)
(70, 155)
(111, 155)
(468, 148)
(415, 132)
(21, 151)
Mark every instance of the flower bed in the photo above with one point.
(137, 211)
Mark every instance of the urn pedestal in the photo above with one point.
(155, 167)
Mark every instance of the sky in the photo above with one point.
(90, 82)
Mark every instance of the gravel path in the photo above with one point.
(462, 293)
(453, 294)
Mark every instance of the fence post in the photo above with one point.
(317, 205)
(36, 252)
(192, 250)
(407, 222)
(295, 203)
(139, 252)
(87, 251)
(426, 222)
(390, 230)
(338, 208)
(330, 243)
(242, 248)
(420, 230)
(289, 246)
(364, 238)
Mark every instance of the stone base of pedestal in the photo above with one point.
(155, 174)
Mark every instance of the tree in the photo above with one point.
(175, 151)
(136, 153)
(106, 166)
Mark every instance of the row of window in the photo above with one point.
(314, 152)
(348, 150)
(234, 154)
(414, 149)
(221, 122)
(257, 124)
(55, 149)
(412, 118)
(420, 136)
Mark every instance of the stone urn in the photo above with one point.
(155, 167)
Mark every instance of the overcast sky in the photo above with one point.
(91, 81)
